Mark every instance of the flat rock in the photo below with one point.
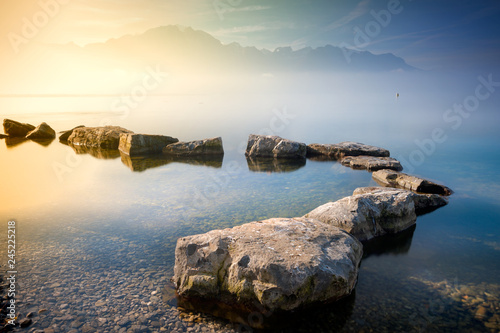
(107, 137)
(66, 134)
(371, 163)
(16, 129)
(424, 203)
(3, 136)
(143, 144)
(347, 148)
(42, 132)
(274, 146)
(402, 180)
(273, 265)
(211, 146)
(369, 215)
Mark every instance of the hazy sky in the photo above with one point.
(429, 34)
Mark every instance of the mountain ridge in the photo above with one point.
(179, 47)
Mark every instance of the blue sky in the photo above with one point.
(439, 34)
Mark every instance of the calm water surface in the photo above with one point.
(96, 232)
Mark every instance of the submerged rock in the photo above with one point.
(143, 144)
(402, 180)
(273, 164)
(274, 146)
(424, 203)
(42, 132)
(66, 134)
(211, 146)
(371, 163)
(268, 266)
(16, 129)
(369, 215)
(348, 148)
(107, 137)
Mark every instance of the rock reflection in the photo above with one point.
(142, 163)
(399, 243)
(271, 164)
(321, 317)
(43, 142)
(100, 153)
(14, 142)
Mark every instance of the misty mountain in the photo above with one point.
(187, 55)
(181, 49)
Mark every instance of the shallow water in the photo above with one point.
(95, 239)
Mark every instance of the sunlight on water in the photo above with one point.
(89, 215)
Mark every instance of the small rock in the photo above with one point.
(100, 303)
(42, 132)
(402, 180)
(481, 312)
(25, 322)
(371, 163)
(199, 147)
(274, 146)
(348, 148)
(142, 144)
(66, 134)
(16, 129)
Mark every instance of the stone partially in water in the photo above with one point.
(402, 180)
(369, 215)
(268, 266)
(42, 132)
(274, 146)
(348, 148)
(143, 144)
(424, 203)
(107, 137)
(16, 129)
(211, 146)
(66, 134)
(371, 163)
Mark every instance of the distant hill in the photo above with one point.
(184, 53)
(180, 49)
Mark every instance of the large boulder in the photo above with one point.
(402, 180)
(369, 215)
(107, 137)
(16, 129)
(424, 203)
(348, 148)
(66, 134)
(371, 163)
(268, 266)
(199, 147)
(42, 132)
(143, 144)
(274, 146)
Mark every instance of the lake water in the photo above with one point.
(95, 232)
